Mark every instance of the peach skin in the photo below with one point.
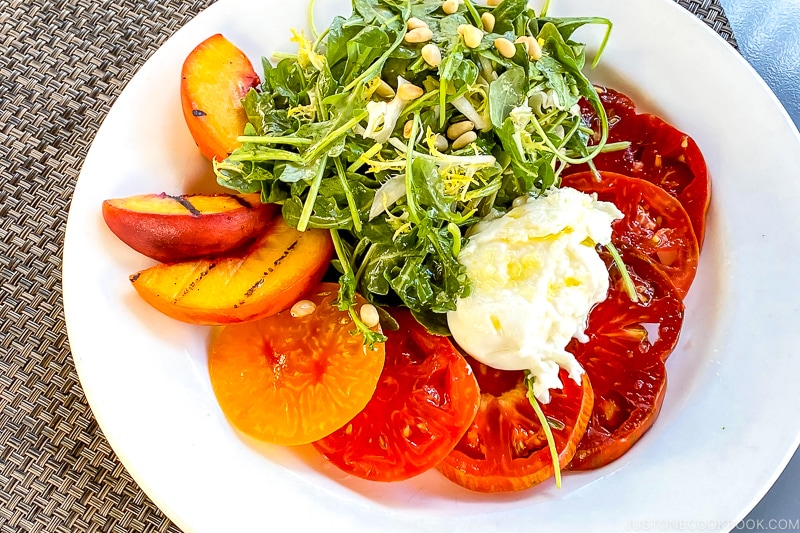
(178, 228)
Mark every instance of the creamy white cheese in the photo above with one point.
(535, 277)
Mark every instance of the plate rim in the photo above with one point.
(70, 314)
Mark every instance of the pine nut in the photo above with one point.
(384, 90)
(432, 55)
(493, 3)
(418, 35)
(535, 50)
(413, 23)
(302, 308)
(407, 127)
(409, 91)
(450, 6)
(488, 21)
(461, 27)
(464, 140)
(472, 36)
(505, 47)
(532, 46)
(459, 128)
(519, 200)
(440, 143)
(369, 315)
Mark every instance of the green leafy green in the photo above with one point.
(506, 93)
(508, 11)
(326, 133)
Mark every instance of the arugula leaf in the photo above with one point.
(572, 63)
(423, 8)
(506, 93)
(506, 13)
(245, 177)
(286, 83)
(378, 270)
(448, 29)
(273, 192)
(523, 175)
(363, 49)
(554, 74)
(567, 26)
(294, 172)
(435, 323)
(371, 12)
(337, 38)
(346, 300)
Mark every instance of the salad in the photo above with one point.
(444, 246)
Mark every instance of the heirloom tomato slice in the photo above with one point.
(623, 362)
(425, 400)
(616, 105)
(505, 447)
(292, 380)
(654, 224)
(658, 153)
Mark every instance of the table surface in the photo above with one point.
(62, 65)
(768, 35)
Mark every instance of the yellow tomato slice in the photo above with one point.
(293, 380)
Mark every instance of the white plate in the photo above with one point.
(731, 417)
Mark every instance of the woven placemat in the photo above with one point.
(62, 65)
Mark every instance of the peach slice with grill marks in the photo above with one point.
(281, 266)
(178, 228)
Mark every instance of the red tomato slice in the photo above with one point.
(616, 104)
(655, 224)
(425, 400)
(659, 153)
(626, 366)
(505, 448)
(292, 380)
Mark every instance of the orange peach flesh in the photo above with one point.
(279, 268)
(215, 78)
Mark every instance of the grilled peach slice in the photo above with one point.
(177, 228)
(215, 78)
(269, 277)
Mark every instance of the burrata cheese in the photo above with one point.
(535, 275)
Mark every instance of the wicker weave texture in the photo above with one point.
(62, 65)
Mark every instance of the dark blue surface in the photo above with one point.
(768, 34)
